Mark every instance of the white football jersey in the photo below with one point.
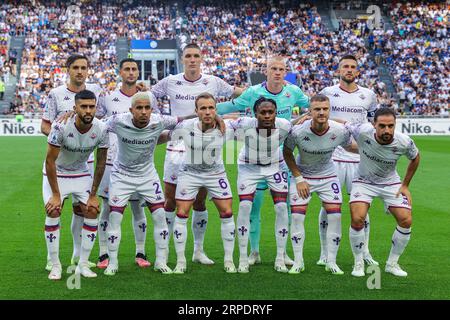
(203, 149)
(355, 107)
(118, 102)
(75, 147)
(259, 149)
(378, 162)
(61, 100)
(315, 150)
(182, 94)
(136, 146)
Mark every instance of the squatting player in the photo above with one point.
(260, 160)
(380, 148)
(134, 172)
(61, 100)
(67, 173)
(355, 104)
(117, 102)
(286, 96)
(314, 171)
(203, 167)
(182, 89)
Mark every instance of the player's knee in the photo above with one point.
(406, 222)
(226, 214)
(91, 213)
(169, 205)
(54, 214)
(78, 209)
(358, 222)
(182, 214)
(199, 205)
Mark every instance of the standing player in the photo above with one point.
(182, 89)
(316, 140)
(260, 160)
(61, 100)
(66, 173)
(203, 167)
(134, 172)
(354, 104)
(117, 102)
(380, 148)
(286, 96)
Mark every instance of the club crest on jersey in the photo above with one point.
(115, 199)
(205, 82)
(153, 126)
(362, 97)
(116, 99)
(173, 177)
(357, 195)
(183, 192)
(93, 136)
(333, 137)
(225, 194)
(287, 95)
(242, 186)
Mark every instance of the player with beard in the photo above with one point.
(67, 173)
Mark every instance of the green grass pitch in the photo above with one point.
(23, 251)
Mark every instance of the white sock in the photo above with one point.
(366, 234)
(199, 223)
(243, 228)
(139, 226)
(75, 227)
(334, 235)
(114, 236)
(323, 226)
(281, 228)
(52, 235)
(298, 235)
(103, 227)
(227, 230)
(89, 233)
(400, 240)
(180, 237)
(357, 243)
(170, 220)
(160, 235)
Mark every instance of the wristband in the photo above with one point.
(299, 179)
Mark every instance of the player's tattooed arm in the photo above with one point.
(302, 185)
(301, 119)
(164, 136)
(98, 175)
(410, 171)
(65, 116)
(353, 147)
(46, 126)
(54, 203)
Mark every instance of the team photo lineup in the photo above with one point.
(187, 142)
(194, 166)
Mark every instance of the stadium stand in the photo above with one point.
(236, 38)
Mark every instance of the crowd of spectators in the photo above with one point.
(55, 30)
(239, 38)
(418, 56)
(235, 38)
